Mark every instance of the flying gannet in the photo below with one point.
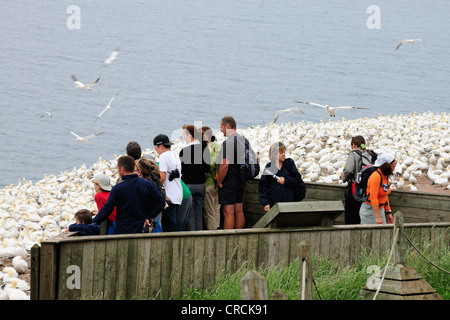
(85, 139)
(84, 86)
(290, 110)
(408, 41)
(330, 110)
(111, 58)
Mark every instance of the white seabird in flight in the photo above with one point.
(107, 107)
(84, 86)
(46, 113)
(290, 110)
(408, 41)
(330, 110)
(85, 139)
(112, 57)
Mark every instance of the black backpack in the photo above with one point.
(360, 184)
(250, 169)
(155, 179)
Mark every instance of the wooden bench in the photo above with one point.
(301, 214)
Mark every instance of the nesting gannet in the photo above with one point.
(330, 110)
(290, 110)
(82, 85)
(20, 264)
(408, 41)
(111, 58)
(85, 139)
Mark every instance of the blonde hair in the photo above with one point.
(275, 148)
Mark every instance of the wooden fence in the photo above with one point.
(416, 207)
(165, 265)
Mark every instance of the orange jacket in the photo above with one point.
(377, 195)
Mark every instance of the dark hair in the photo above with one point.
(192, 131)
(83, 215)
(229, 120)
(207, 134)
(386, 169)
(134, 150)
(146, 166)
(358, 141)
(127, 163)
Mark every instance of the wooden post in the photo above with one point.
(34, 285)
(278, 294)
(399, 252)
(253, 287)
(306, 280)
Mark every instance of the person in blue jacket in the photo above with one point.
(84, 224)
(136, 199)
(278, 178)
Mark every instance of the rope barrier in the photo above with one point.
(423, 256)
(387, 264)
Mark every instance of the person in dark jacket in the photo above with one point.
(84, 224)
(136, 199)
(194, 167)
(278, 178)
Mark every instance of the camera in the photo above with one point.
(174, 174)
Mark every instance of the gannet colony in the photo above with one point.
(31, 212)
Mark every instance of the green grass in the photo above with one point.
(333, 282)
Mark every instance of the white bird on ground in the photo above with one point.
(290, 110)
(82, 85)
(408, 41)
(85, 139)
(9, 273)
(112, 57)
(12, 294)
(20, 264)
(331, 110)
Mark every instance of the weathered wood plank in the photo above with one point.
(111, 264)
(87, 270)
(143, 269)
(122, 269)
(98, 274)
(155, 268)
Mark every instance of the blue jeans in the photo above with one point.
(169, 218)
(182, 213)
(195, 216)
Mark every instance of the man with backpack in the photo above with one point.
(357, 158)
(236, 163)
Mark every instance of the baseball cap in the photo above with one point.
(162, 139)
(103, 181)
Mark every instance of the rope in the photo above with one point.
(387, 264)
(423, 256)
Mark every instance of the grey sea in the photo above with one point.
(197, 61)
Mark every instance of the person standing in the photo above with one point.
(170, 174)
(193, 174)
(353, 165)
(376, 210)
(231, 186)
(135, 200)
(211, 214)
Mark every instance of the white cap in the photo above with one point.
(103, 181)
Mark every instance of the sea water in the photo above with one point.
(197, 61)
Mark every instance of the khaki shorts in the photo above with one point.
(367, 214)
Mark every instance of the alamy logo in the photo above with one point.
(74, 20)
(74, 280)
(374, 20)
